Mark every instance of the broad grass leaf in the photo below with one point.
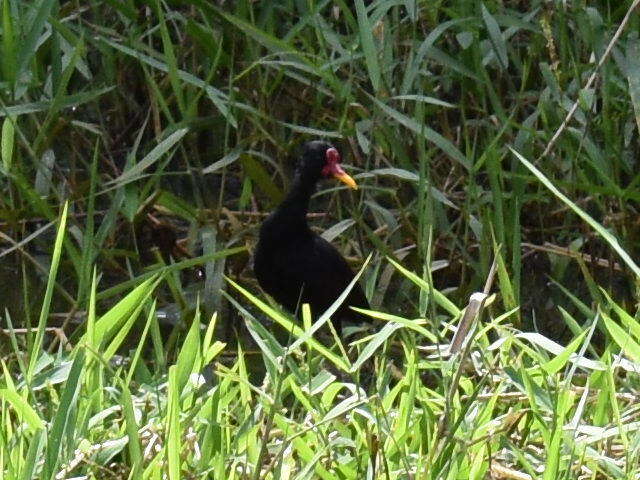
(62, 420)
(336, 230)
(259, 175)
(426, 132)
(7, 141)
(439, 298)
(289, 326)
(225, 161)
(46, 302)
(495, 35)
(622, 338)
(24, 411)
(633, 75)
(602, 231)
(365, 30)
(152, 157)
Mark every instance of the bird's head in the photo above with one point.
(321, 159)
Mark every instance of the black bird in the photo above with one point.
(293, 264)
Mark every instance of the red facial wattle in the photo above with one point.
(333, 169)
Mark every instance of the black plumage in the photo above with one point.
(293, 264)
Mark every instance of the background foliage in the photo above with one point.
(154, 136)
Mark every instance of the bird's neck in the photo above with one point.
(291, 214)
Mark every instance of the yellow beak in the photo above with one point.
(346, 179)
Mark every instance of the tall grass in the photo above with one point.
(138, 131)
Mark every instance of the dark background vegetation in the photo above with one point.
(172, 128)
(445, 89)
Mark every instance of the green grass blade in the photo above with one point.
(23, 409)
(365, 29)
(131, 426)
(291, 327)
(170, 56)
(426, 132)
(439, 298)
(633, 75)
(603, 232)
(46, 302)
(622, 338)
(112, 321)
(8, 43)
(495, 35)
(256, 172)
(134, 173)
(88, 239)
(175, 267)
(7, 142)
(143, 337)
(325, 316)
(34, 30)
(217, 97)
(66, 101)
(34, 454)
(61, 422)
(172, 421)
(190, 355)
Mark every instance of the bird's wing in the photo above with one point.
(331, 275)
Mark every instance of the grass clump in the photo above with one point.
(143, 142)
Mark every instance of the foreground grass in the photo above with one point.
(519, 407)
(507, 404)
(181, 117)
(151, 114)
